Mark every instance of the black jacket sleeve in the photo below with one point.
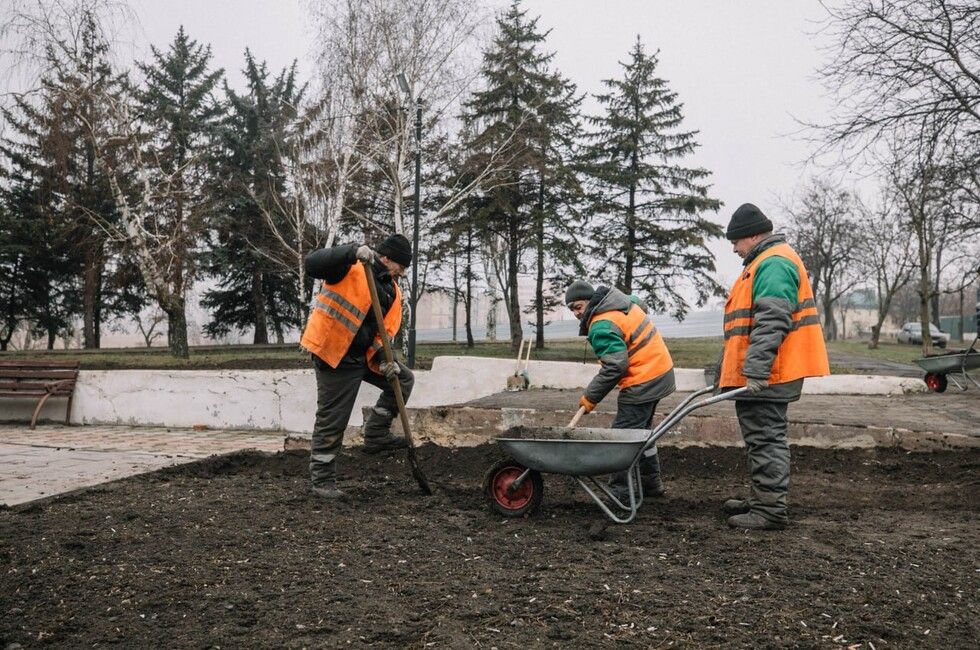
(331, 264)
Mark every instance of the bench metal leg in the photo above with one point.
(37, 410)
(71, 396)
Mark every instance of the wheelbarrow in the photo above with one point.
(940, 369)
(514, 487)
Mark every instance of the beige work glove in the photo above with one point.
(365, 254)
(390, 371)
(756, 385)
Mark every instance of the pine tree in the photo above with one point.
(649, 231)
(60, 197)
(177, 105)
(517, 79)
(557, 215)
(254, 291)
(40, 286)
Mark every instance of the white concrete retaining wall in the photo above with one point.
(286, 399)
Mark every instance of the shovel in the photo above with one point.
(379, 318)
(521, 379)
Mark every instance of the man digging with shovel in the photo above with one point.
(345, 344)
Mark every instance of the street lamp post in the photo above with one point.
(414, 297)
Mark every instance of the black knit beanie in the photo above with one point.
(579, 290)
(748, 220)
(397, 248)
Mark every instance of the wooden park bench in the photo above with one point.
(43, 379)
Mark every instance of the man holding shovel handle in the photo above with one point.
(633, 357)
(346, 348)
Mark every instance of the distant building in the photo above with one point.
(857, 314)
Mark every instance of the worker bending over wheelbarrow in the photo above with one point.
(634, 357)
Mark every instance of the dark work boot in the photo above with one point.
(323, 475)
(330, 491)
(377, 432)
(754, 521)
(325, 483)
(735, 507)
(619, 486)
(389, 442)
(653, 484)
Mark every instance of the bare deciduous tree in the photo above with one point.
(368, 42)
(883, 255)
(895, 62)
(917, 179)
(36, 33)
(160, 247)
(823, 230)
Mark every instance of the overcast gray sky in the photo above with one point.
(742, 68)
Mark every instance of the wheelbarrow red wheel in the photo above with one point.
(936, 383)
(512, 502)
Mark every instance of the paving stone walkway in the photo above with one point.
(54, 459)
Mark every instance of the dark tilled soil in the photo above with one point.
(235, 552)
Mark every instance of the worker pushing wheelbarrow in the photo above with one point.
(514, 486)
(633, 357)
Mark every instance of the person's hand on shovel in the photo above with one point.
(390, 371)
(585, 406)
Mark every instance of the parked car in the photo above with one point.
(912, 333)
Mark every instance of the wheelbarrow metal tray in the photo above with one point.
(575, 452)
(949, 362)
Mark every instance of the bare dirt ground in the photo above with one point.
(236, 552)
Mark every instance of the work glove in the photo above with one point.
(756, 385)
(390, 371)
(586, 404)
(365, 254)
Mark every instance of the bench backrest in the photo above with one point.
(38, 376)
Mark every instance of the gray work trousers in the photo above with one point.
(763, 426)
(336, 391)
(637, 416)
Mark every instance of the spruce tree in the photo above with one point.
(253, 290)
(649, 230)
(176, 103)
(557, 215)
(503, 116)
(56, 189)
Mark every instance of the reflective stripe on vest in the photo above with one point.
(648, 355)
(338, 311)
(801, 354)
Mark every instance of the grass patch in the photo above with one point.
(204, 357)
(886, 351)
(686, 352)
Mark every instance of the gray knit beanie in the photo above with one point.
(748, 220)
(579, 290)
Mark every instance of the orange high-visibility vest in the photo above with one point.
(337, 313)
(648, 355)
(801, 354)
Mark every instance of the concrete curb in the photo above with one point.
(469, 426)
(285, 400)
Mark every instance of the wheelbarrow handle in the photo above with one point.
(686, 407)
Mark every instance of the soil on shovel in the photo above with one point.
(236, 552)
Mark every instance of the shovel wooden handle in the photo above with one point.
(577, 416)
(379, 319)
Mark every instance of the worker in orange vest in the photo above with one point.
(773, 340)
(633, 357)
(345, 346)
